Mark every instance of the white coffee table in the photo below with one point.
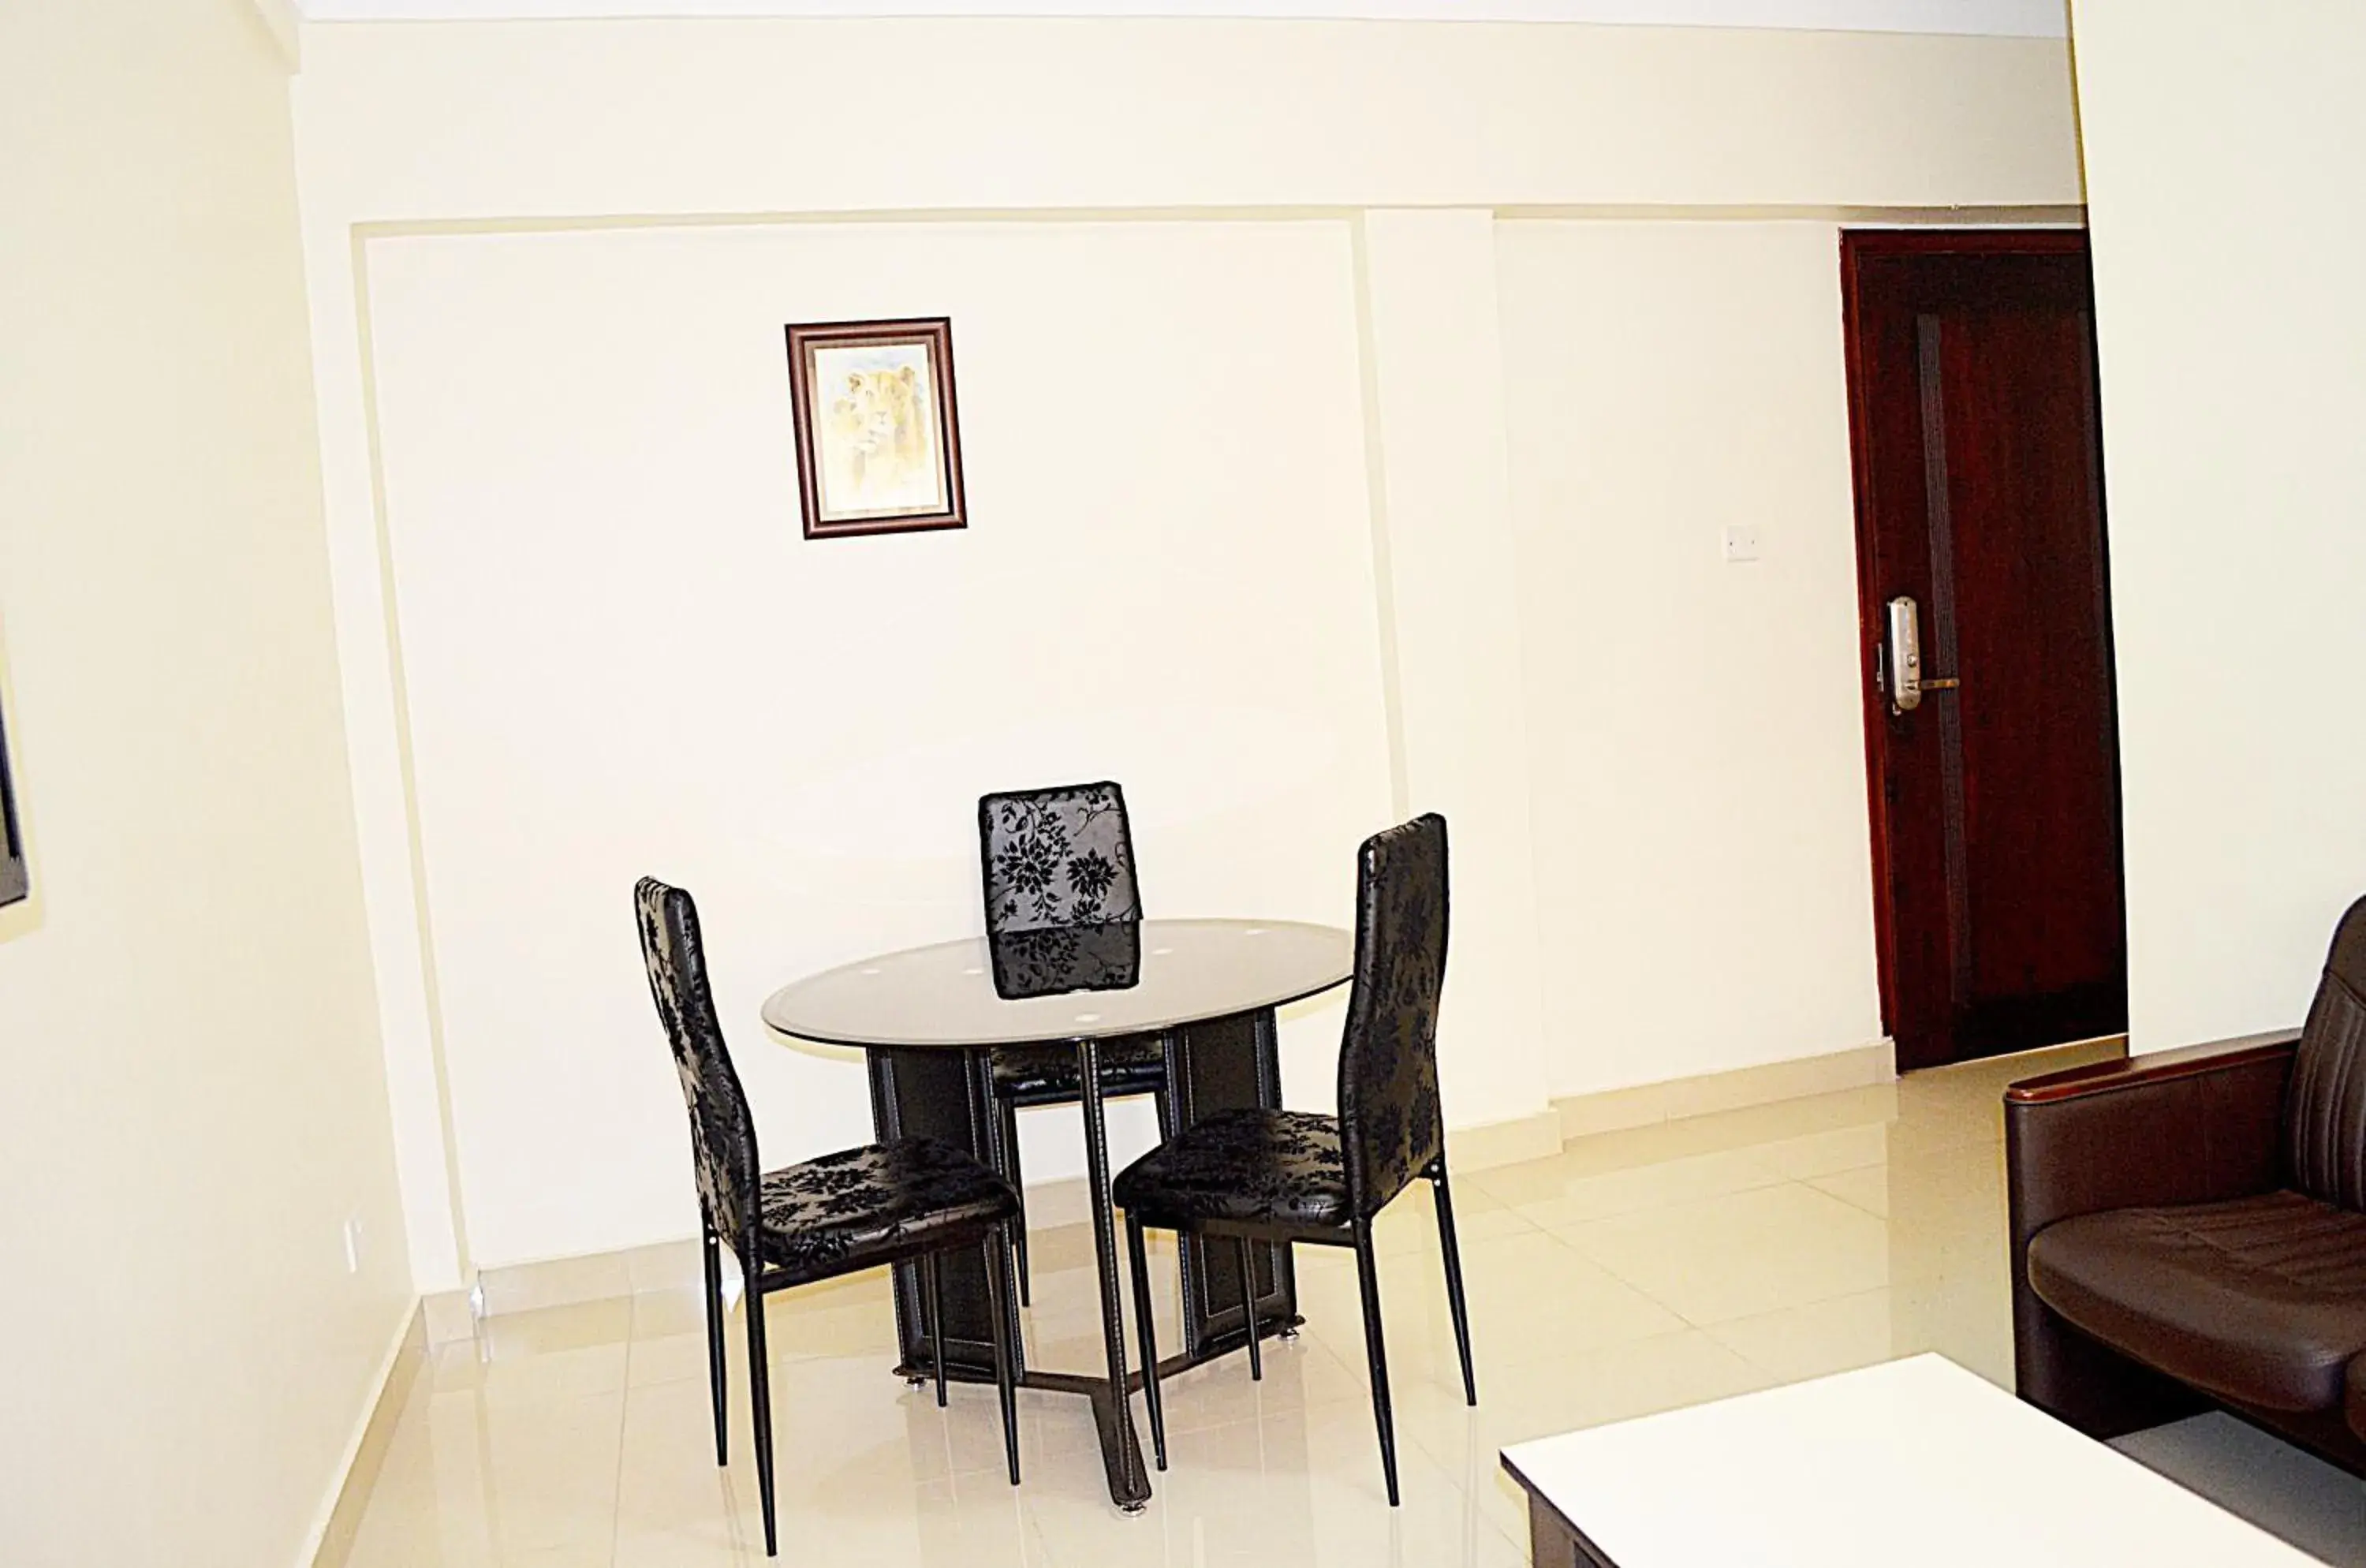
(1914, 1462)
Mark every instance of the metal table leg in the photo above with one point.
(943, 1094)
(1113, 1411)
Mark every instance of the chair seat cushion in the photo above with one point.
(2260, 1301)
(876, 1204)
(1257, 1166)
(1132, 1064)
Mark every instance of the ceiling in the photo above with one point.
(2011, 18)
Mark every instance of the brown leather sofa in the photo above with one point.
(2189, 1229)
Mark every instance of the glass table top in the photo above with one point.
(1076, 983)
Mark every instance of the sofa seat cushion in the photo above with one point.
(2260, 1301)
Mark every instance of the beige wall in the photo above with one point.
(194, 1104)
(1704, 867)
(437, 155)
(2223, 143)
(622, 659)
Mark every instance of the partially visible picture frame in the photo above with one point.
(16, 877)
(878, 431)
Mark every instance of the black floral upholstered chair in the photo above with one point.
(1058, 867)
(853, 1210)
(1287, 1175)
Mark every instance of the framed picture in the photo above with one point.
(15, 884)
(878, 439)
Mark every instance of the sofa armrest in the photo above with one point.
(2195, 1125)
(2158, 1067)
(2192, 1125)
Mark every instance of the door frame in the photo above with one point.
(1858, 246)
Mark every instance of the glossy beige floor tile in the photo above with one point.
(1573, 1188)
(1633, 1272)
(1720, 1258)
(1792, 1343)
(1867, 1189)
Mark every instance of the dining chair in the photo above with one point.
(1289, 1176)
(908, 1198)
(1054, 858)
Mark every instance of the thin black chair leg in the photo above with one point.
(760, 1403)
(714, 1250)
(1454, 1279)
(1137, 1258)
(997, 1292)
(1019, 1185)
(1376, 1351)
(935, 1283)
(1248, 1309)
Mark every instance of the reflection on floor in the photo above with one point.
(1634, 1272)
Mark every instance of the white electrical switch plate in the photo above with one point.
(1741, 541)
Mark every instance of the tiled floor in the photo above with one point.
(1634, 1272)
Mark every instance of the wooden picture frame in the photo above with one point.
(878, 431)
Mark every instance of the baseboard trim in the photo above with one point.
(450, 1317)
(674, 1265)
(330, 1540)
(1491, 1144)
(1645, 1105)
(564, 1282)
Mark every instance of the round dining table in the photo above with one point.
(929, 1020)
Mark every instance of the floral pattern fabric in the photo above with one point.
(1064, 913)
(1057, 857)
(722, 1133)
(1247, 1164)
(1295, 1169)
(863, 1207)
(842, 1212)
(1050, 960)
(1390, 1127)
(1131, 1063)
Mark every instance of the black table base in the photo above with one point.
(1216, 1064)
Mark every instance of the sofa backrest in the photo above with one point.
(2325, 1111)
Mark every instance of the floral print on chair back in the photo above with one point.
(1390, 1125)
(1057, 857)
(722, 1133)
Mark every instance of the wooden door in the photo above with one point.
(1996, 801)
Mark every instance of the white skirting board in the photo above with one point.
(330, 1541)
(1645, 1105)
(562, 1282)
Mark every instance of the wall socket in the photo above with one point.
(1741, 541)
(353, 1243)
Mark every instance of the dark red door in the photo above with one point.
(1996, 799)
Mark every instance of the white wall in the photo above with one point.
(1443, 526)
(194, 1104)
(623, 660)
(1703, 865)
(2222, 144)
(438, 155)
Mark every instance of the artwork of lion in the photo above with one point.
(879, 446)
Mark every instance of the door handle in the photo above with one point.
(1908, 685)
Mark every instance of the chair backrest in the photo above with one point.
(2324, 1109)
(722, 1133)
(1057, 857)
(1389, 1119)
